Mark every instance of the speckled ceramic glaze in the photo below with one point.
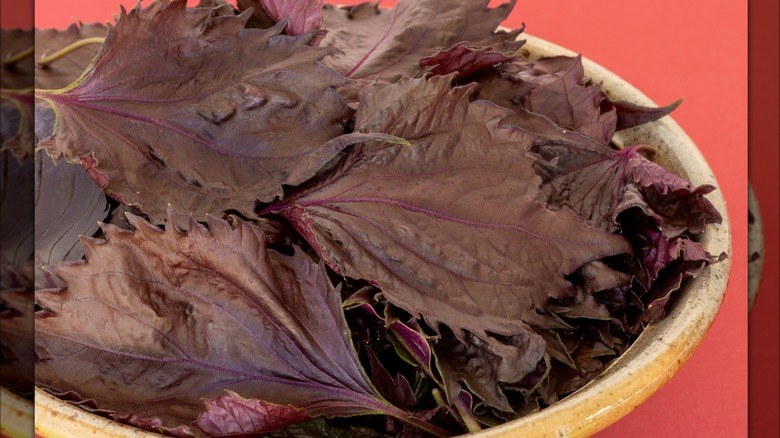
(17, 415)
(755, 248)
(649, 363)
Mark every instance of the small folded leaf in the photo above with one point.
(554, 87)
(396, 389)
(376, 217)
(411, 346)
(462, 60)
(630, 114)
(232, 414)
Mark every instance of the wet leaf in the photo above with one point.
(389, 43)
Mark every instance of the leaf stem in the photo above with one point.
(13, 58)
(409, 418)
(48, 59)
(459, 410)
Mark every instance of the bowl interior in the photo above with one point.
(630, 379)
(662, 349)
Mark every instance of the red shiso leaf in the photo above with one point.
(208, 128)
(231, 415)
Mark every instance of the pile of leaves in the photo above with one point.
(17, 74)
(314, 217)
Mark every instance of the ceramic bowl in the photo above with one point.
(17, 415)
(650, 362)
(755, 247)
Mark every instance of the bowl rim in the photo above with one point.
(662, 348)
(17, 415)
(658, 353)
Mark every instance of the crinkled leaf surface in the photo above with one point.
(665, 260)
(388, 43)
(67, 204)
(463, 60)
(481, 254)
(677, 259)
(66, 70)
(554, 87)
(395, 389)
(594, 180)
(155, 320)
(209, 127)
(677, 201)
(483, 365)
(232, 414)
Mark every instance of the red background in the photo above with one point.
(668, 49)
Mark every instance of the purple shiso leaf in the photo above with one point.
(231, 415)
(630, 114)
(388, 43)
(396, 389)
(460, 408)
(375, 218)
(481, 365)
(208, 128)
(687, 259)
(554, 87)
(193, 315)
(412, 347)
(462, 60)
(463, 406)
